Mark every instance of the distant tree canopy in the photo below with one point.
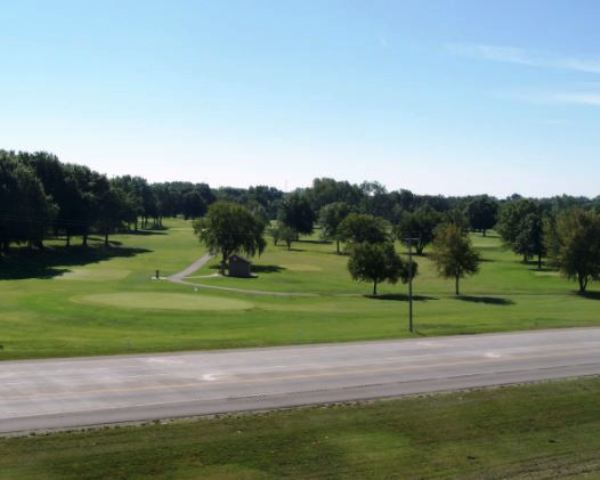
(378, 262)
(296, 212)
(230, 228)
(330, 218)
(419, 225)
(42, 197)
(453, 254)
(25, 210)
(521, 226)
(364, 228)
(573, 242)
(482, 213)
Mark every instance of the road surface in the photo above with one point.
(65, 393)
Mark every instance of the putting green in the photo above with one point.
(163, 301)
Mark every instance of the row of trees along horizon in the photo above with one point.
(41, 198)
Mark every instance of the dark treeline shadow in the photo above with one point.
(147, 232)
(485, 299)
(316, 242)
(590, 295)
(267, 268)
(259, 268)
(24, 263)
(400, 297)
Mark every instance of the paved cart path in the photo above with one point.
(64, 393)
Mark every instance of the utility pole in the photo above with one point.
(409, 242)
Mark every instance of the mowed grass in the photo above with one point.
(544, 431)
(98, 301)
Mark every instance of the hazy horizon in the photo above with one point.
(448, 97)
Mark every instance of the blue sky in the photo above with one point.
(453, 97)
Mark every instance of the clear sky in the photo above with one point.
(450, 97)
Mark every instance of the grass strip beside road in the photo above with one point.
(543, 431)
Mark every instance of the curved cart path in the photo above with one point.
(186, 272)
(180, 278)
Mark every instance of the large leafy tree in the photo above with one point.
(194, 205)
(420, 224)
(25, 210)
(362, 227)
(453, 254)
(530, 237)
(573, 242)
(520, 226)
(330, 217)
(113, 210)
(378, 262)
(296, 212)
(482, 213)
(325, 191)
(230, 228)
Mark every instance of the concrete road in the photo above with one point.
(56, 394)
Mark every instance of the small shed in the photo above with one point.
(239, 266)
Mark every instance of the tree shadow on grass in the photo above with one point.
(485, 300)
(258, 269)
(590, 295)
(543, 269)
(400, 297)
(24, 263)
(316, 242)
(146, 232)
(267, 268)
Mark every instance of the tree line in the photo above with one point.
(567, 234)
(40, 196)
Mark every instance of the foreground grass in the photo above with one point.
(543, 431)
(103, 301)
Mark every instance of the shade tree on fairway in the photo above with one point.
(281, 232)
(482, 213)
(573, 242)
(520, 226)
(330, 217)
(25, 210)
(364, 228)
(530, 239)
(458, 217)
(453, 254)
(419, 225)
(230, 228)
(378, 262)
(297, 213)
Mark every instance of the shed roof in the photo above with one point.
(238, 258)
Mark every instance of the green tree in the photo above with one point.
(25, 210)
(330, 217)
(230, 228)
(378, 262)
(458, 217)
(284, 233)
(573, 242)
(364, 228)
(530, 238)
(453, 254)
(482, 213)
(520, 226)
(113, 211)
(420, 224)
(297, 213)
